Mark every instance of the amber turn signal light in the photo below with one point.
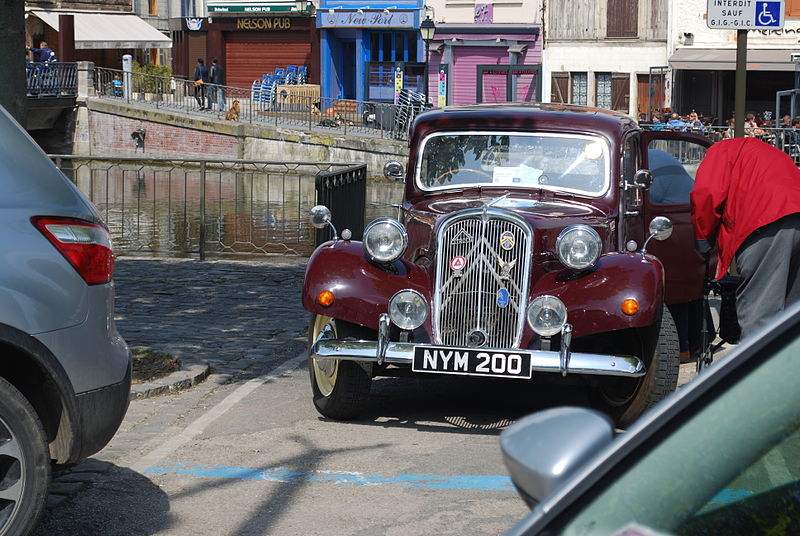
(325, 298)
(630, 307)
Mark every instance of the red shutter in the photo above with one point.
(249, 56)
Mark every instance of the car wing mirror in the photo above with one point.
(394, 170)
(541, 451)
(321, 218)
(660, 229)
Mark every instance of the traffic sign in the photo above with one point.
(745, 14)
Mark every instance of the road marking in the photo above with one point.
(458, 482)
(160, 453)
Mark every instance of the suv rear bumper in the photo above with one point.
(100, 413)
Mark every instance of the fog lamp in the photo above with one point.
(408, 309)
(547, 315)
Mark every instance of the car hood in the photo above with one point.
(552, 213)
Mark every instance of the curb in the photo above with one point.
(189, 375)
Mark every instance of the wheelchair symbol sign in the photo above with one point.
(768, 13)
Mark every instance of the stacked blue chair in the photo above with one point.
(268, 88)
(255, 90)
(291, 74)
(302, 74)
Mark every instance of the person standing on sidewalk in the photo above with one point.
(217, 91)
(746, 199)
(200, 82)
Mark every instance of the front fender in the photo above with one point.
(361, 288)
(594, 300)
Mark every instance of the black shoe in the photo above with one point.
(202, 108)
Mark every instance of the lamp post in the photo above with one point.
(426, 30)
(301, 5)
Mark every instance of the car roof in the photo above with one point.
(524, 116)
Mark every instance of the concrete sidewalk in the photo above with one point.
(225, 315)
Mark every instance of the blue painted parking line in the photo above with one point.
(459, 482)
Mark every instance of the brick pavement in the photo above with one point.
(241, 318)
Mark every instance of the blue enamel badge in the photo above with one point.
(502, 298)
(507, 240)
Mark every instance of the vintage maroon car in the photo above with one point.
(522, 252)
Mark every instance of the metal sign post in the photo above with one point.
(743, 15)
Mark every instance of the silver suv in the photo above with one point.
(64, 370)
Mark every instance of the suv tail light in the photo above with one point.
(85, 245)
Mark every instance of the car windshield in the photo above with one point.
(560, 162)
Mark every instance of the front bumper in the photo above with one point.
(402, 353)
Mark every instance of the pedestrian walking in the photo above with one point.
(217, 89)
(200, 82)
(746, 200)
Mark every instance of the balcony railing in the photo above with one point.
(51, 79)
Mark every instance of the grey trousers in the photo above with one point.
(769, 267)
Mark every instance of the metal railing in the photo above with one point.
(346, 190)
(205, 206)
(288, 106)
(51, 79)
(785, 139)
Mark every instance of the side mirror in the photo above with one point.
(643, 179)
(320, 216)
(541, 451)
(394, 170)
(660, 229)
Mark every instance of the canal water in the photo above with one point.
(244, 211)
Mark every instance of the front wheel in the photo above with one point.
(24, 463)
(340, 388)
(625, 399)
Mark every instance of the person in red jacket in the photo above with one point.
(746, 199)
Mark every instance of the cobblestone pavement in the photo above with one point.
(239, 317)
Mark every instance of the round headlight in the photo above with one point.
(578, 246)
(408, 309)
(547, 315)
(385, 239)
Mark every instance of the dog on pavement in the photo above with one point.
(233, 113)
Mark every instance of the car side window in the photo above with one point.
(673, 164)
(731, 468)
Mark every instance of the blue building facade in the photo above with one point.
(367, 51)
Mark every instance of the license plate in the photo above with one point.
(472, 362)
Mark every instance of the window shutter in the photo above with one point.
(622, 18)
(620, 92)
(559, 88)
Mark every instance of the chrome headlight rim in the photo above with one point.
(565, 235)
(550, 302)
(399, 227)
(412, 323)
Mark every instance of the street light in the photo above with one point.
(426, 30)
(301, 5)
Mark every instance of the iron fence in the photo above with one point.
(205, 206)
(51, 79)
(785, 139)
(290, 106)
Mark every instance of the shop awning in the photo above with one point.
(724, 59)
(108, 30)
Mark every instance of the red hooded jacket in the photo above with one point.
(741, 185)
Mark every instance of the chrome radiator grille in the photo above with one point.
(482, 303)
